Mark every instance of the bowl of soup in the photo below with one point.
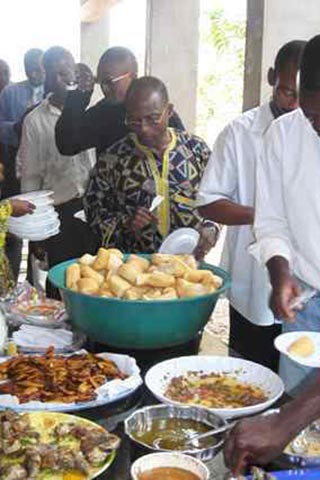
(168, 428)
(169, 466)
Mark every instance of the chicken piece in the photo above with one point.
(50, 458)
(33, 462)
(14, 472)
(9, 447)
(64, 429)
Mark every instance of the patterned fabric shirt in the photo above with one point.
(6, 278)
(129, 175)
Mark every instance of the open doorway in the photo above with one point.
(221, 65)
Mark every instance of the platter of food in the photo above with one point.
(301, 347)
(110, 274)
(42, 312)
(53, 446)
(230, 387)
(66, 382)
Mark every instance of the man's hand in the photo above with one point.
(84, 78)
(142, 218)
(21, 207)
(208, 238)
(1, 172)
(255, 441)
(284, 288)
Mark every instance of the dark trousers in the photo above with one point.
(74, 240)
(253, 342)
(13, 251)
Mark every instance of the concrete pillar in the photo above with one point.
(270, 24)
(172, 51)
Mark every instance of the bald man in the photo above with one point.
(151, 160)
(103, 124)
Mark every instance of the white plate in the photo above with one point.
(180, 242)
(283, 342)
(159, 376)
(107, 393)
(34, 196)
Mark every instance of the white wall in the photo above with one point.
(284, 21)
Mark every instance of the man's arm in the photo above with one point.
(261, 439)
(103, 214)
(274, 247)
(76, 128)
(8, 133)
(28, 161)
(228, 213)
(219, 185)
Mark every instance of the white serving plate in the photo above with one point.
(107, 393)
(180, 242)
(40, 235)
(283, 342)
(173, 460)
(159, 376)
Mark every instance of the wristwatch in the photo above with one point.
(216, 227)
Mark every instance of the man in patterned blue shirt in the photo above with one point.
(151, 160)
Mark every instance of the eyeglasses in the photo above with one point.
(108, 82)
(152, 120)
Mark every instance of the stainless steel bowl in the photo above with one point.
(298, 460)
(142, 420)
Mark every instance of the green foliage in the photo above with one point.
(220, 84)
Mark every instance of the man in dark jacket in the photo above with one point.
(103, 124)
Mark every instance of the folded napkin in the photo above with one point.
(30, 336)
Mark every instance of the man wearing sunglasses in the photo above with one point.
(151, 160)
(103, 124)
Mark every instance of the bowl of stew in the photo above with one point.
(169, 466)
(167, 428)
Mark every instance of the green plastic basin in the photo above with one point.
(138, 324)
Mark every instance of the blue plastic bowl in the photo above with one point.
(138, 324)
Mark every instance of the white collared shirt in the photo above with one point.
(230, 174)
(39, 163)
(287, 221)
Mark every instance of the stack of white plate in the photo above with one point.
(42, 223)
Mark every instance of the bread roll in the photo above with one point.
(156, 279)
(101, 261)
(129, 272)
(201, 276)
(169, 294)
(116, 252)
(88, 285)
(135, 293)
(87, 259)
(152, 294)
(114, 262)
(190, 289)
(105, 292)
(161, 258)
(118, 286)
(189, 260)
(140, 263)
(73, 275)
(302, 347)
(88, 272)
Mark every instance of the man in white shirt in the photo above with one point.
(41, 166)
(287, 222)
(227, 196)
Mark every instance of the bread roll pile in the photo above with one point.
(164, 277)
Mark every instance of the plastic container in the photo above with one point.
(138, 324)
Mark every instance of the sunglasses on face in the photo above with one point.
(109, 82)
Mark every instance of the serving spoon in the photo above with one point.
(195, 438)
